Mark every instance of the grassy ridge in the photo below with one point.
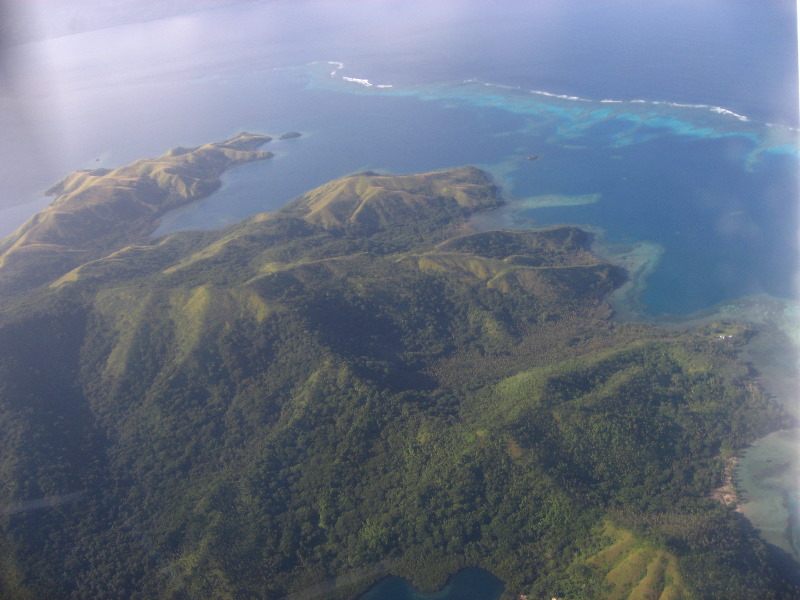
(97, 212)
(636, 571)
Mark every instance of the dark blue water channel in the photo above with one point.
(469, 584)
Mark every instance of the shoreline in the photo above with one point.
(761, 482)
(727, 493)
(771, 463)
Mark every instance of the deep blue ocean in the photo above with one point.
(668, 125)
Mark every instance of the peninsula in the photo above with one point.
(98, 209)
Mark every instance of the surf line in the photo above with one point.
(338, 66)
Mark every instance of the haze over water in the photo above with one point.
(667, 127)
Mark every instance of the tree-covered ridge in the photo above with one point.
(298, 405)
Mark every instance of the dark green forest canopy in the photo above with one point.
(354, 385)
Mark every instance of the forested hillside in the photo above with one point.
(356, 385)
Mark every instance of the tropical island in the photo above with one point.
(356, 385)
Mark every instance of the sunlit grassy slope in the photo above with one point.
(637, 571)
(354, 385)
(97, 211)
(371, 200)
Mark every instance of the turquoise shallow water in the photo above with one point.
(769, 486)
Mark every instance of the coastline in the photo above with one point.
(763, 482)
(639, 260)
(727, 493)
(760, 483)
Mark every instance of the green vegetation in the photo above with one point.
(359, 384)
(635, 570)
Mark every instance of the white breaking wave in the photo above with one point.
(716, 109)
(725, 111)
(497, 85)
(561, 96)
(503, 86)
(339, 66)
(365, 82)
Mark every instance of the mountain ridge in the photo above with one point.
(357, 384)
(100, 210)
